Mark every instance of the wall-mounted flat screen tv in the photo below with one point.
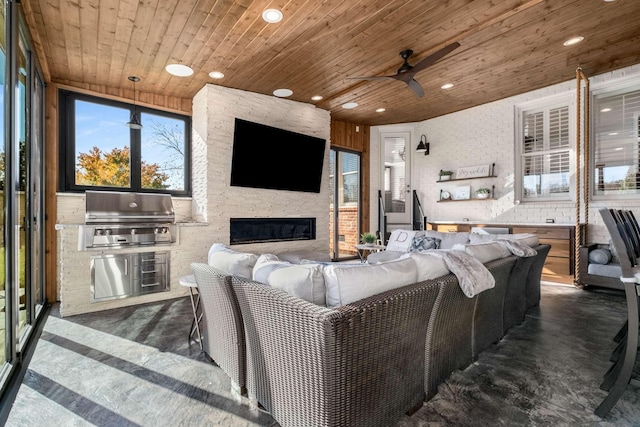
(272, 158)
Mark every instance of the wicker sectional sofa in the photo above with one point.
(364, 363)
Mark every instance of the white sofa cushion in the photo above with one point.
(484, 252)
(401, 240)
(352, 282)
(447, 240)
(230, 261)
(429, 265)
(305, 281)
(528, 239)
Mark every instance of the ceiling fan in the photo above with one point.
(406, 72)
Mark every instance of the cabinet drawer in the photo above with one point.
(549, 233)
(556, 266)
(559, 248)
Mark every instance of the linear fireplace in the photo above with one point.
(261, 230)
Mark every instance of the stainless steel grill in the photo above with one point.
(119, 219)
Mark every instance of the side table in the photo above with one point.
(190, 282)
(363, 248)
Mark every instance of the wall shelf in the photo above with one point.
(466, 179)
(467, 200)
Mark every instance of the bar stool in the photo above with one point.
(190, 282)
(627, 244)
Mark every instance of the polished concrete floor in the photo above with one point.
(134, 367)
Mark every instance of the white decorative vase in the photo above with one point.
(445, 177)
(482, 195)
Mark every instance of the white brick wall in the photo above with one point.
(485, 135)
(213, 201)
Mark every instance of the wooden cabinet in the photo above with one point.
(560, 263)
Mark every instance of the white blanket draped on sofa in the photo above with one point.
(472, 275)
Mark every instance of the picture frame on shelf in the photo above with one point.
(462, 192)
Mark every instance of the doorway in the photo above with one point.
(396, 176)
(344, 205)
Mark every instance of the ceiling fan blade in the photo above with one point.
(434, 57)
(371, 78)
(416, 88)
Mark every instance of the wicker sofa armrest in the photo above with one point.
(222, 326)
(360, 364)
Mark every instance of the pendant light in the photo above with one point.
(134, 121)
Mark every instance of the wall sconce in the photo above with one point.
(423, 145)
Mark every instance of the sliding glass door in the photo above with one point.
(21, 190)
(344, 181)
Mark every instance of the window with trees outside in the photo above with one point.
(545, 152)
(616, 142)
(101, 153)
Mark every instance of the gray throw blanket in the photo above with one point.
(472, 275)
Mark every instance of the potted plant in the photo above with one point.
(368, 238)
(445, 175)
(483, 193)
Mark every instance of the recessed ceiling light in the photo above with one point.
(316, 98)
(609, 1)
(619, 148)
(179, 70)
(349, 105)
(446, 86)
(381, 110)
(613, 133)
(216, 75)
(573, 40)
(282, 93)
(272, 16)
(605, 110)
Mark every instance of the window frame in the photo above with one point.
(67, 144)
(545, 105)
(627, 84)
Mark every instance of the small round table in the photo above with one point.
(190, 282)
(362, 248)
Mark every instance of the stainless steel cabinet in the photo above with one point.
(125, 275)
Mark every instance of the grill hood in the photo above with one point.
(105, 207)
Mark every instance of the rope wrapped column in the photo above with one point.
(582, 161)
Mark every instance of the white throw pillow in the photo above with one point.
(302, 280)
(400, 240)
(231, 262)
(447, 240)
(528, 239)
(429, 265)
(484, 252)
(352, 282)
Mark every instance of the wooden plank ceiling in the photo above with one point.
(507, 47)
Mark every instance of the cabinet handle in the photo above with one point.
(126, 266)
(149, 271)
(150, 285)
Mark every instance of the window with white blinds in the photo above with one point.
(545, 150)
(616, 143)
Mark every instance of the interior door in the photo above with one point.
(396, 176)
